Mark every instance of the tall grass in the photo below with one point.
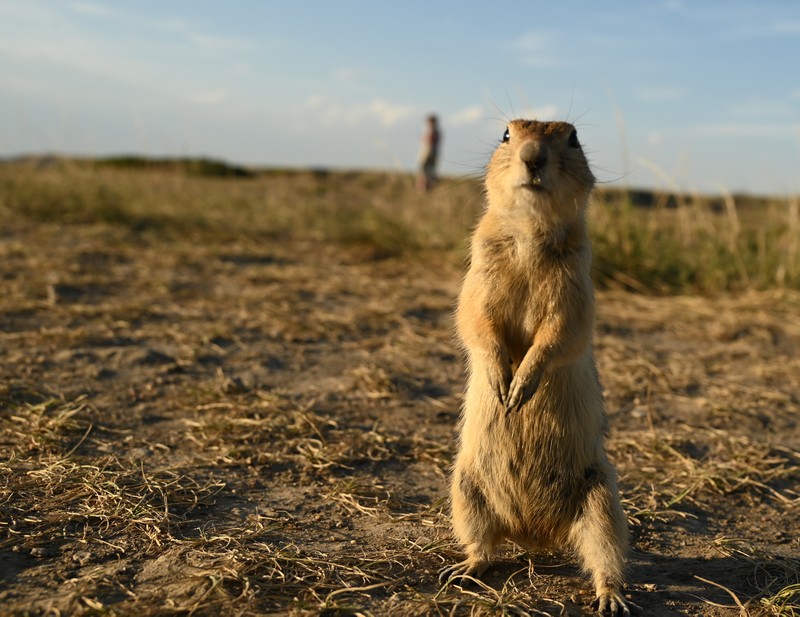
(675, 244)
(696, 244)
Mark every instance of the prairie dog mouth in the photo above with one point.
(532, 184)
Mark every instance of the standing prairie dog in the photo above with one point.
(531, 466)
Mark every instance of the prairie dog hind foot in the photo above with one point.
(473, 566)
(611, 605)
(463, 569)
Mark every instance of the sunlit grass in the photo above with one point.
(676, 244)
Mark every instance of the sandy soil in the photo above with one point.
(266, 429)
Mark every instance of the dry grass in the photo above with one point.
(683, 243)
(238, 397)
(104, 499)
(669, 473)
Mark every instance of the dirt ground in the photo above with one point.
(248, 429)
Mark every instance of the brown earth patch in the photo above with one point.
(266, 428)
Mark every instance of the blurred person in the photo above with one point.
(429, 153)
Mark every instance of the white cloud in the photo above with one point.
(54, 48)
(654, 138)
(241, 69)
(534, 49)
(181, 29)
(660, 94)
(532, 41)
(27, 12)
(201, 40)
(315, 102)
(790, 27)
(210, 98)
(389, 113)
(348, 73)
(761, 108)
(94, 8)
(332, 112)
(468, 115)
(748, 130)
(674, 6)
(68, 50)
(543, 112)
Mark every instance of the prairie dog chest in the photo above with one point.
(519, 286)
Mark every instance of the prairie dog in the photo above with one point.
(531, 465)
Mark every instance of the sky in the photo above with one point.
(701, 95)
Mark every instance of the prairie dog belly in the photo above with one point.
(534, 465)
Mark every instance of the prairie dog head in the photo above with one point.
(540, 167)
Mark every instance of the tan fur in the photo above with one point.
(531, 466)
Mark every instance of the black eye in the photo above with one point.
(572, 142)
(506, 136)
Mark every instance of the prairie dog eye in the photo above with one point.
(572, 142)
(506, 136)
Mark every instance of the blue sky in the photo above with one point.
(703, 95)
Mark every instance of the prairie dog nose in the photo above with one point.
(534, 154)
